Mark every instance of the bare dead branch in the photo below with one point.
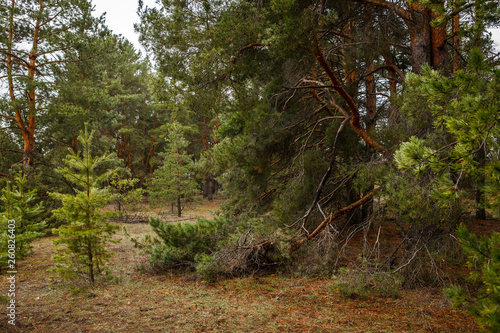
(339, 89)
(334, 216)
(327, 173)
(387, 66)
(11, 150)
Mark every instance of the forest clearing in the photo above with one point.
(266, 165)
(137, 301)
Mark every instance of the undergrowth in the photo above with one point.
(358, 283)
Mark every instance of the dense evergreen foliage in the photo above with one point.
(18, 206)
(173, 182)
(484, 260)
(86, 229)
(320, 121)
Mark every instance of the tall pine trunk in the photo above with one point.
(456, 42)
(25, 125)
(179, 208)
(427, 42)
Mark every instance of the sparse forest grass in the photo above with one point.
(139, 300)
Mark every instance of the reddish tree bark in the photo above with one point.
(456, 42)
(27, 124)
(389, 60)
(351, 104)
(439, 52)
(427, 43)
(371, 99)
(151, 150)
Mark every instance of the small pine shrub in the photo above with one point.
(19, 206)
(125, 195)
(85, 231)
(183, 242)
(173, 180)
(484, 261)
(206, 267)
(216, 247)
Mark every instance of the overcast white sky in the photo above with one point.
(496, 37)
(122, 14)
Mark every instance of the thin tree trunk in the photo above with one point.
(354, 216)
(151, 150)
(389, 60)
(371, 99)
(480, 194)
(456, 42)
(179, 208)
(29, 135)
(179, 179)
(91, 262)
(370, 121)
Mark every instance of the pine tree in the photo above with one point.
(125, 193)
(484, 260)
(462, 142)
(86, 230)
(174, 180)
(460, 147)
(45, 28)
(110, 92)
(19, 206)
(271, 72)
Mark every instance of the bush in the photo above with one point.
(125, 195)
(216, 247)
(183, 242)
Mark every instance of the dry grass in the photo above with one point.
(200, 208)
(143, 302)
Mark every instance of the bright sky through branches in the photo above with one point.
(122, 14)
(496, 37)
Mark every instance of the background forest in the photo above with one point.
(323, 124)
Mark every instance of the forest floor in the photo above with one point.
(137, 301)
